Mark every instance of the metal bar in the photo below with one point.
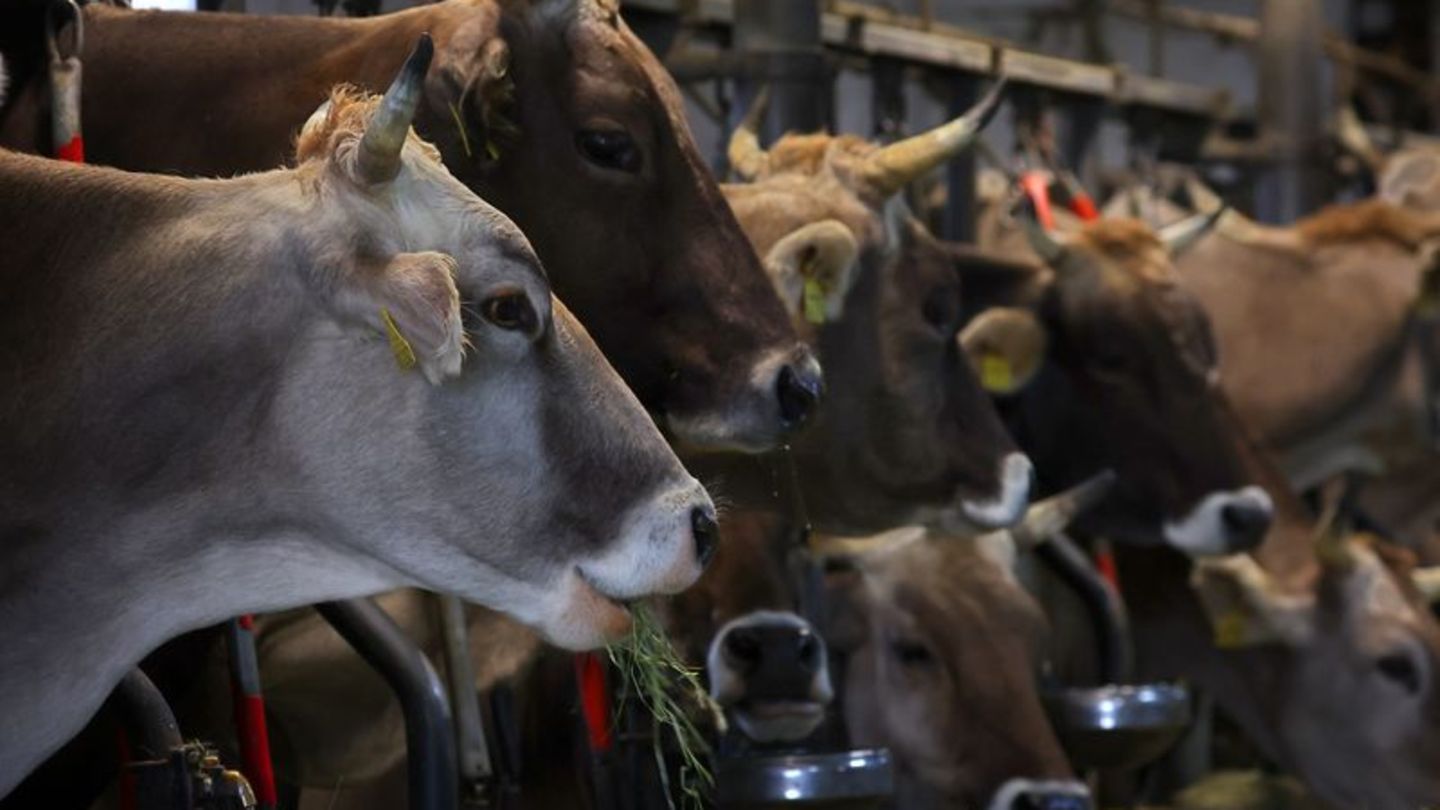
(785, 38)
(874, 32)
(1107, 611)
(958, 224)
(1290, 107)
(430, 748)
(150, 727)
(473, 752)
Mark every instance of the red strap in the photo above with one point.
(1105, 563)
(1036, 186)
(249, 708)
(1083, 207)
(594, 700)
(74, 151)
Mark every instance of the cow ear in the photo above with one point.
(1245, 606)
(813, 269)
(470, 90)
(1006, 346)
(412, 301)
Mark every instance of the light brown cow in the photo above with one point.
(1322, 345)
(941, 644)
(205, 418)
(552, 110)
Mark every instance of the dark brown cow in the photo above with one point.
(553, 111)
(908, 435)
(1127, 382)
(205, 418)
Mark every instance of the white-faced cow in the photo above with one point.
(918, 449)
(205, 416)
(552, 110)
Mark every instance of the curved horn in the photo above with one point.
(1180, 236)
(1427, 582)
(1350, 131)
(1040, 240)
(1051, 516)
(891, 167)
(747, 158)
(378, 156)
(836, 546)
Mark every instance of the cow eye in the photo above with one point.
(609, 149)
(1400, 669)
(510, 311)
(911, 653)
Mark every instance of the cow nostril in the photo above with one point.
(1245, 524)
(707, 535)
(808, 649)
(798, 391)
(743, 646)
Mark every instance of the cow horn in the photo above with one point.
(747, 158)
(1427, 582)
(1053, 515)
(1350, 131)
(378, 157)
(1040, 240)
(891, 167)
(1180, 236)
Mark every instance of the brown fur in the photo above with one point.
(1366, 220)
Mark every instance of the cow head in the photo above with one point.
(907, 434)
(940, 644)
(1112, 365)
(767, 666)
(1353, 706)
(479, 477)
(557, 113)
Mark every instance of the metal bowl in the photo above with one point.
(1119, 727)
(844, 780)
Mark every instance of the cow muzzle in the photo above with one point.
(1223, 523)
(1041, 794)
(769, 670)
(782, 393)
(662, 548)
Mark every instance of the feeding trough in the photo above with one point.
(1119, 727)
(843, 780)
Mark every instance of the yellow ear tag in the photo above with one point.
(814, 301)
(1231, 630)
(399, 346)
(995, 373)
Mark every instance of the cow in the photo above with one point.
(206, 417)
(908, 435)
(1328, 666)
(552, 110)
(1105, 361)
(872, 345)
(941, 644)
(1336, 379)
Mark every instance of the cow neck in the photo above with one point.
(92, 599)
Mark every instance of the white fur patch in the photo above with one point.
(1009, 504)
(1202, 533)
